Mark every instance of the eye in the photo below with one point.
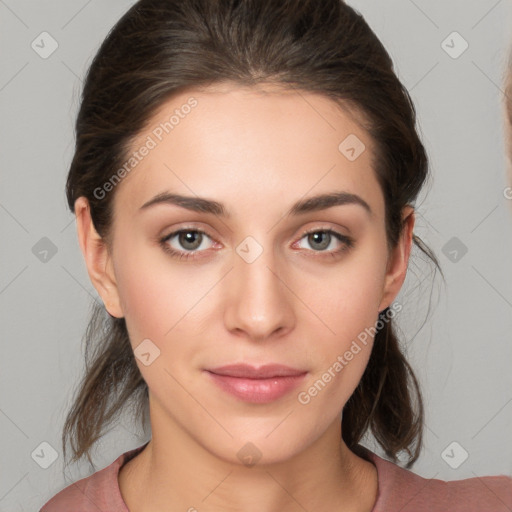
(190, 240)
(322, 239)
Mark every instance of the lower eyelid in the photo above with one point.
(346, 241)
(343, 239)
(174, 234)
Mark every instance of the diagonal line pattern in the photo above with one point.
(486, 14)
(300, 299)
(14, 76)
(420, 490)
(14, 218)
(484, 219)
(493, 287)
(303, 195)
(13, 279)
(14, 423)
(418, 213)
(490, 79)
(482, 481)
(12, 488)
(501, 408)
(280, 423)
(287, 492)
(302, 96)
(189, 310)
(79, 78)
(424, 13)
(13, 13)
(67, 225)
(217, 486)
(431, 431)
(424, 76)
(91, 501)
(218, 216)
(81, 285)
(198, 402)
(75, 15)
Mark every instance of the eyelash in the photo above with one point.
(347, 242)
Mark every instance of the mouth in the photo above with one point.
(259, 385)
(248, 371)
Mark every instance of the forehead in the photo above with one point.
(230, 141)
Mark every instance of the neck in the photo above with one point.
(174, 472)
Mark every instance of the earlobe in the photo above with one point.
(97, 258)
(398, 260)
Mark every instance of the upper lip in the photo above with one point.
(252, 372)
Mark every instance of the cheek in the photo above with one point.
(347, 303)
(347, 300)
(141, 299)
(157, 301)
(146, 289)
(161, 300)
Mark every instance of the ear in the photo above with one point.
(97, 258)
(398, 260)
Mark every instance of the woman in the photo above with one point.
(243, 184)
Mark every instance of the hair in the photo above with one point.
(507, 94)
(162, 47)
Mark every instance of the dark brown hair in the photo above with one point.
(162, 47)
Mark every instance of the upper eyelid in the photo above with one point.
(185, 229)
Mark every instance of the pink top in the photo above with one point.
(399, 490)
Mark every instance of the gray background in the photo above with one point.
(462, 353)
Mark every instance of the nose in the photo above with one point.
(259, 303)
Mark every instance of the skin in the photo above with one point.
(507, 130)
(257, 152)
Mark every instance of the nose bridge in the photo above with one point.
(259, 303)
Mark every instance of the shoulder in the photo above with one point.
(100, 491)
(401, 489)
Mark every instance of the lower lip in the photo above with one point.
(257, 391)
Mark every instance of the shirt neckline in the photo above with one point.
(362, 451)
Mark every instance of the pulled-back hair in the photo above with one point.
(162, 47)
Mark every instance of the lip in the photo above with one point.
(248, 371)
(259, 385)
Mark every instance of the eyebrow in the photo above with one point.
(310, 204)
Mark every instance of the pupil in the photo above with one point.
(188, 238)
(321, 234)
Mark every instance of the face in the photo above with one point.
(255, 276)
